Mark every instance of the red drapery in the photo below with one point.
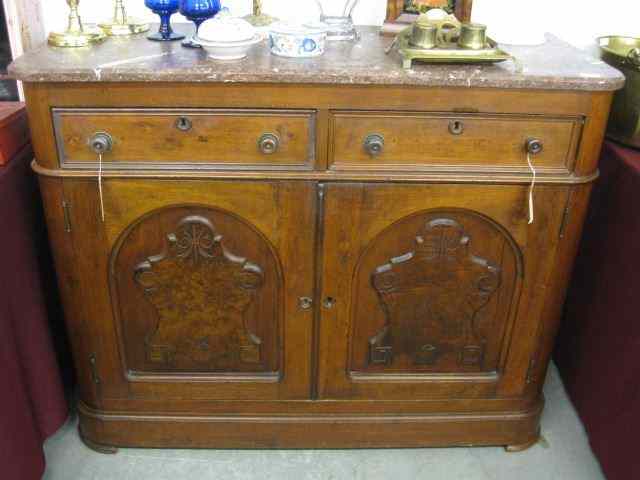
(598, 349)
(32, 403)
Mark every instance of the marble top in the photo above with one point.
(554, 65)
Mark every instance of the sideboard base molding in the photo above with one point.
(104, 431)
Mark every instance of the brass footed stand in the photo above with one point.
(76, 35)
(259, 19)
(121, 24)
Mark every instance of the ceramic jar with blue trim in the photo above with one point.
(298, 41)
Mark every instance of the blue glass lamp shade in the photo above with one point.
(164, 8)
(198, 11)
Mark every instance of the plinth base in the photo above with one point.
(88, 36)
(157, 37)
(132, 27)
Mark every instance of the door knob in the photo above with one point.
(374, 144)
(269, 143)
(101, 143)
(534, 146)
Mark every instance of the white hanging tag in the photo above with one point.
(531, 188)
(100, 186)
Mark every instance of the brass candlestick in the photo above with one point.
(121, 24)
(76, 34)
(259, 19)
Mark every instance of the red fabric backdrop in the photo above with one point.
(598, 350)
(32, 403)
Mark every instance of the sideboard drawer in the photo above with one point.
(419, 141)
(207, 138)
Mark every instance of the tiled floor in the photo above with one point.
(563, 454)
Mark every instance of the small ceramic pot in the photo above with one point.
(227, 38)
(298, 41)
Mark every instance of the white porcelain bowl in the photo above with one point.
(298, 41)
(236, 50)
(224, 28)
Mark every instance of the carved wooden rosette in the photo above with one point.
(431, 296)
(200, 292)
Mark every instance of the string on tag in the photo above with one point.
(531, 188)
(100, 186)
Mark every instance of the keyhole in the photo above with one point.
(184, 124)
(329, 302)
(456, 127)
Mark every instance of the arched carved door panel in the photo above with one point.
(196, 290)
(434, 290)
(433, 294)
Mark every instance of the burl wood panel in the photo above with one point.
(226, 138)
(442, 303)
(485, 142)
(188, 303)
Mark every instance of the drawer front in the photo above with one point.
(217, 139)
(414, 141)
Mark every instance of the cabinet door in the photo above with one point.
(433, 291)
(201, 289)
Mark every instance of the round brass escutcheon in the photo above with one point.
(184, 124)
(269, 143)
(101, 143)
(534, 146)
(456, 127)
(374, 144)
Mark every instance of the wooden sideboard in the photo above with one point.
(311, 260)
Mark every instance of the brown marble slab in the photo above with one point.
(554, 65)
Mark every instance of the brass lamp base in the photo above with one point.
(84, 38)
(260, 20)
(131, 27)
